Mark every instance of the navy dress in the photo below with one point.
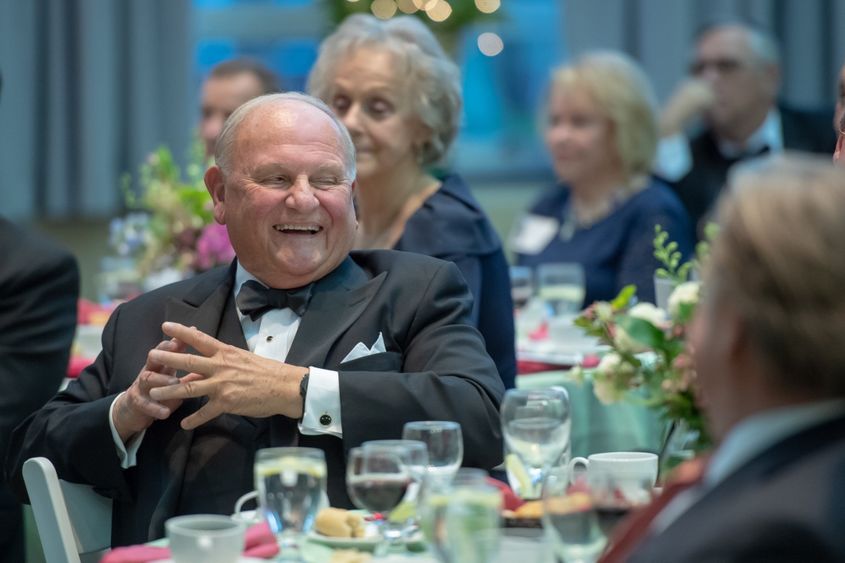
(615, 251)
(451, 225)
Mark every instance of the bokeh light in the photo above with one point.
(438, 12)
(407, 6)
(383, 9)
(490, 44)
(487, 6)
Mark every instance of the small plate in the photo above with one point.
(367, 543)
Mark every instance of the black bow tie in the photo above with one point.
(254, 299)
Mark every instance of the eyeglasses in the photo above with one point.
(722, 66)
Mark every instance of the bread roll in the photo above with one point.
(339, 523)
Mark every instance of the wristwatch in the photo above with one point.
(303, 387)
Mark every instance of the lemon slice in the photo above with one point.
(403, 511)
(516, 469)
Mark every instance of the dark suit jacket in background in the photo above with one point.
(786, 505)
(802, 131)
(451, 225)
(39, 287)
(435, 368)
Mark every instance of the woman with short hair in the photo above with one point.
(399, 94)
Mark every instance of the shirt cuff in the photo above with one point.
(674, 159)
(127, 454)
(322, 404)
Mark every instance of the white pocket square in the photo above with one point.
(361, 351)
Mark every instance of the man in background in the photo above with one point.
(228, 85)
(839, 119)
(731, 97)
(39, 287)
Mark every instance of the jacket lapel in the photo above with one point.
(338, 300)
(205, 307)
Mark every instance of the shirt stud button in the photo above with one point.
(325, 420)
(270, 338)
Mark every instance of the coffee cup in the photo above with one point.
(625, 469)
(210, 538)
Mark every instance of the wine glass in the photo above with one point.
(445, 447)
(378, 480)
(562, 286)
(570, 520)
(522, 285)
(290, 483)
(614, 496)
(414, 455)
(461, 521)
(536, 424)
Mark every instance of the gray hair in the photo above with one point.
(433, 79)
(223, 149)
(775, 262)
(761, 43)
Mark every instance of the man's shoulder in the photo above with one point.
(194, 289)
(374, 262)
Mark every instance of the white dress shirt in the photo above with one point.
(674, 157)
(749, 438)
(269, 336)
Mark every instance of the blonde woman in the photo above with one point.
(601, 132)
(399, 94)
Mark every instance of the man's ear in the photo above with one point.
(216, 186)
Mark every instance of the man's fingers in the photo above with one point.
(184, 390)
(208, 412)
(203, 343)
(181, 361)
(147, 406)
(150, 379)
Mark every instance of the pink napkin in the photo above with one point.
(259, 542)
(509, 499)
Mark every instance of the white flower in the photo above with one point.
(685, 294)
(606, 392)
(648, 312)
(604, 311)
(611, 366)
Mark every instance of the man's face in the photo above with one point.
(744, 86)
(220, 97)
(286, 202)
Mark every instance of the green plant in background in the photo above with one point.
(667, 254)
(171, 225)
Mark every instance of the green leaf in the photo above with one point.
(624, 298)
(643, 331)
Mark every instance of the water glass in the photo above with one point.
(570, 520)
(290, 483)
(462, 522)
(445, 445)
(536, 424)
(562, 286)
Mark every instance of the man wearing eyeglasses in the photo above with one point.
(729, 108)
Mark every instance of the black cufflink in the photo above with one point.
(325, 420)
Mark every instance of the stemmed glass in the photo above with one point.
(414, 455)
(522, 285)
(536, 425)
(570, 519)
(461, 521)
(562, 286)
(378, 480)
(290, 483)
(445, 447)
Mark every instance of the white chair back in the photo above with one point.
(73, 521)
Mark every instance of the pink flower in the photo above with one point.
(213, 247)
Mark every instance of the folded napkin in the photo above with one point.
(259, 542)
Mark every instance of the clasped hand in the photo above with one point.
(235, 381)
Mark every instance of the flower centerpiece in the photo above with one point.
(647, 361)
(170, 232)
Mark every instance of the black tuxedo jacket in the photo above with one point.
(785, 505)
(435, 368)
(802, 131)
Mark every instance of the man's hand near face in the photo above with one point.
(234, 380)
(689, 102)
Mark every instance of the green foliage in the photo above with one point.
(669, 256)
